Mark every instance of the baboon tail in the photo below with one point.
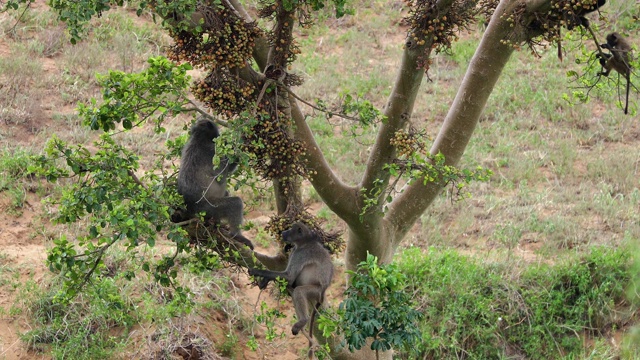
(314, 312)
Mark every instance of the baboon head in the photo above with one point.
(205, 129)
(298, 233)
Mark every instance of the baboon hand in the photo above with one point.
(262, 284)
(262, 281)
(253, 272)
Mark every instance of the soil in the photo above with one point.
(23, 255)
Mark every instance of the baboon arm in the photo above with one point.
(307, 275)
(268, 274)
(275, 262)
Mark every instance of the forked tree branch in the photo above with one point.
(398, 110)
(484, 70)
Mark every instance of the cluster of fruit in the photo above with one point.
(277, 154)
(221, 40)
(224, 92)
(407, 143)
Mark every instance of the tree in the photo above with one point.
(249, 88)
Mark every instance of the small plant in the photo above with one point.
(376, 307)
(15, 176)
(508, 235)
(229, 345)
(268, 316)
(80, 329)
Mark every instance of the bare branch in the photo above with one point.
(331, 113)
(338, 196)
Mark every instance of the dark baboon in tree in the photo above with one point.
(619, 60)
(578, 15)
(308, 274)
(203, 186)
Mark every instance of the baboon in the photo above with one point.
(579, 15)
(308, 274)
(619, 60)
(203, 186)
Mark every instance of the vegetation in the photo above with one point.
(376, 310)
(86, 327)
(563, 179)
(492, 311)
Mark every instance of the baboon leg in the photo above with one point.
(234, 214)
(225, 208)
(230, 210)
(243, 240)
(303, 296)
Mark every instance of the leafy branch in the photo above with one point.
(376, 306)
(117, 205)
(134, 98)
(425, 168)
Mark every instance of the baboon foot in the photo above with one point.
(179, 215)
(243, 240)
(298, 326)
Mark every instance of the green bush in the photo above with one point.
(376, 309)
(488, 311)
(80, 330)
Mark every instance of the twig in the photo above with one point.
(320, 109)
(135, 178)
(13, 28)
(186, 222)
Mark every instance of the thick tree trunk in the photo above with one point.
(363, 354)
(367, 238)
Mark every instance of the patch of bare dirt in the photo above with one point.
(23, 254)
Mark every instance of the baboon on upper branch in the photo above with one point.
(203, 186)
(619, 60)
(578, 14)
(575, 15)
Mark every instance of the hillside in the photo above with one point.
(565, 181)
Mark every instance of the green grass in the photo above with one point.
(79, 330)
(98, 323)
(15, 179)
(17, 99)
(504, 310)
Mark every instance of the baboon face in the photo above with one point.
(612, 39)
(299, 232)
(205, 128)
